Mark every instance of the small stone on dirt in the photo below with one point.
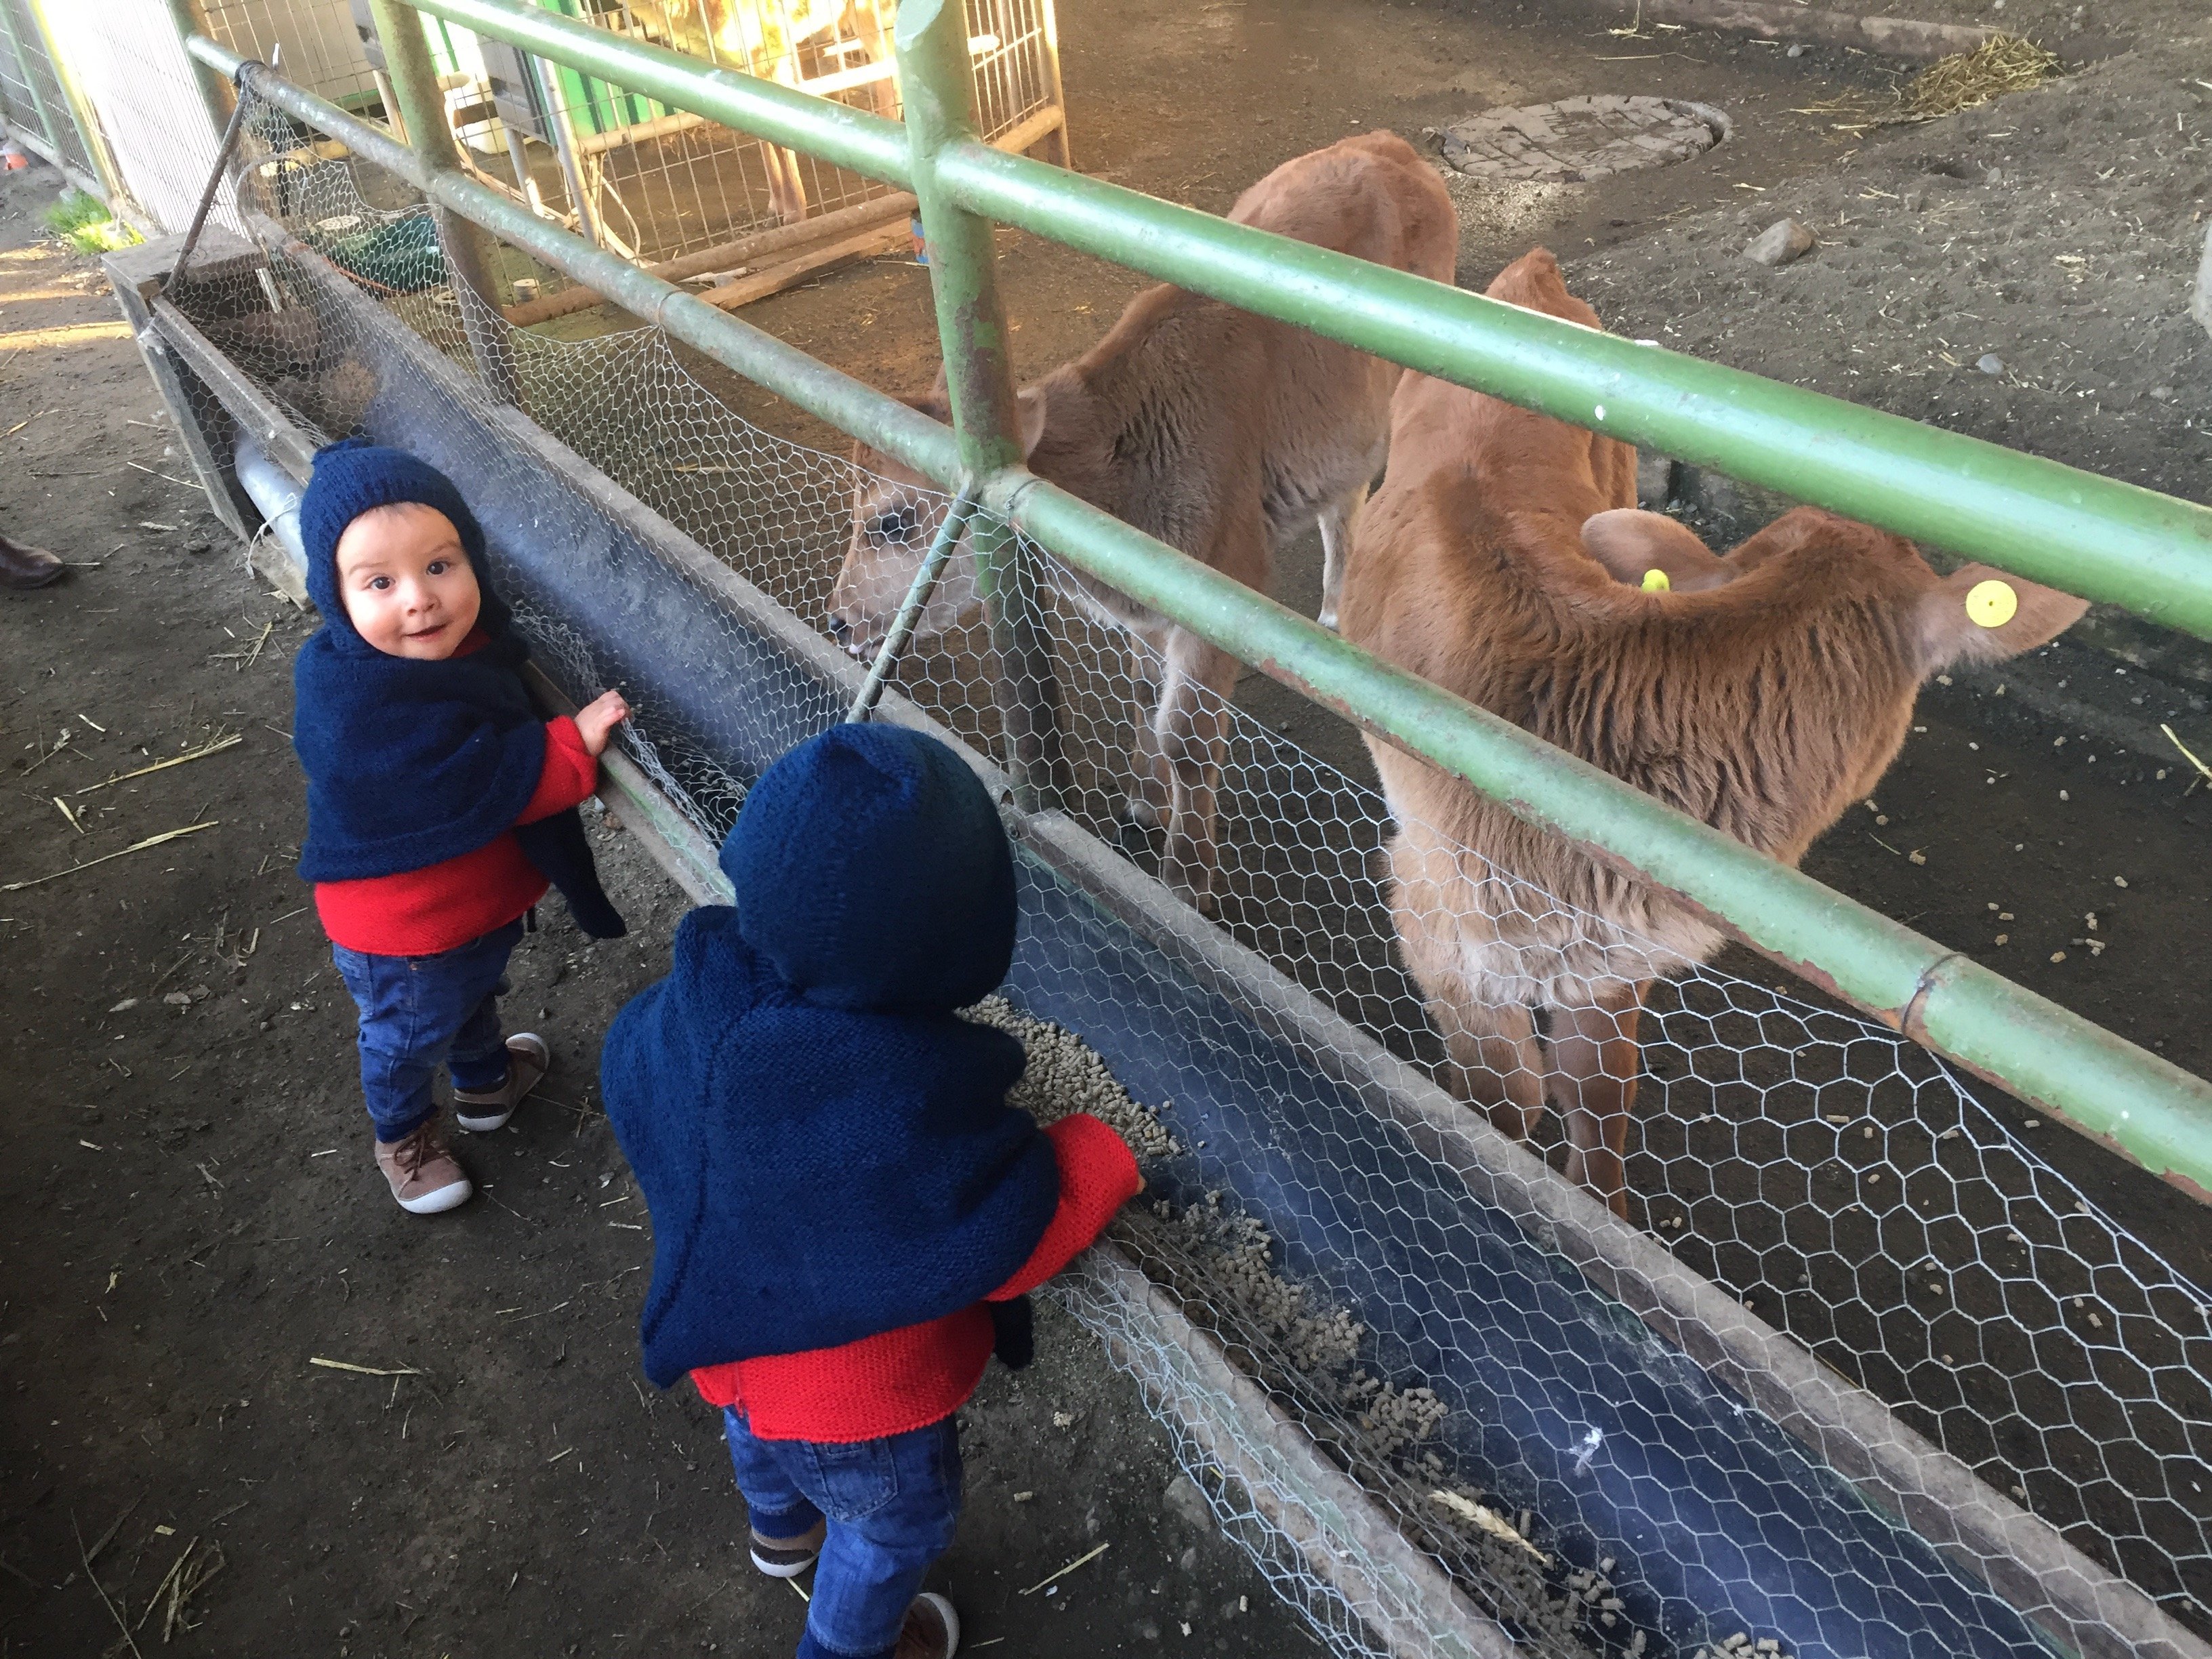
(1183, 1498)
(1780, 243)
(1990, 364)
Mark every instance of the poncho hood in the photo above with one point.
(872, 871)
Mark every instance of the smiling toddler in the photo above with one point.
(440, 805)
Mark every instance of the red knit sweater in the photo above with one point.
(419, 912)
(921, 1374)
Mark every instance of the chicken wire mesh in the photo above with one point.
(1421, 1318)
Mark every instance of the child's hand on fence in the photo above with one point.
(598, 719)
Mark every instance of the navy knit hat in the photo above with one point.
(352, 477)
(872, 871)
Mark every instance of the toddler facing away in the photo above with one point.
(847, 1214)
(439, 806)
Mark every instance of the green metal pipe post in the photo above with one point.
(937, 83)
(2148, 1111)
(471, 256)
(2089, 535)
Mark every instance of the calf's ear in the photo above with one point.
(1977, 614)
(1630, 543)
(1029, 420)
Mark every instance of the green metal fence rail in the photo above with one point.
(2087, 534)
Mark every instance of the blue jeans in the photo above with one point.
(891, 1505)
(420, 1012)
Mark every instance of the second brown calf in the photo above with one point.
(1502, 558)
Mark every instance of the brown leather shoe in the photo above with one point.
(931, 1632)
(27, 566)
(424, 1175)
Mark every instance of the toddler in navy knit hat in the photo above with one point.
(440, 805)
(847, 1214)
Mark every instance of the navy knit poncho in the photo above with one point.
(412, 762)
(825, 1146)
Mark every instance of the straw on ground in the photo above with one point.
(135, 847)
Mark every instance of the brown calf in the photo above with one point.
(1221, 432)
(1765, 692)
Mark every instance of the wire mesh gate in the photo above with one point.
(1372, 1267)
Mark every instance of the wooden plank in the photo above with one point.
(726, 255)
(272, 429)
(777, 278)
(185, 414)
(1772, 20)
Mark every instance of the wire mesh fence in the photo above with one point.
(320, 40)
(1368, 1260)
(32, 101)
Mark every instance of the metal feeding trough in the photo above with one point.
(1705, 1465)
(1578, 140)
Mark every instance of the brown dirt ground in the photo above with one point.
(195, 1216)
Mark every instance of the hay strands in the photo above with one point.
(101, 1589)
(201, 753)
(1967, 80)
(1080, 1560)
(187, 1575)
(1964, 81)
(135, 847)
(2203, 770)
(363, 1370)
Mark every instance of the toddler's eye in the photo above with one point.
(440, 567)
(380, 583)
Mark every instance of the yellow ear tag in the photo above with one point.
(1991, 604)
(1655, 581)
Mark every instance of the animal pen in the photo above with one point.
(660, 185)
(1868, 1377)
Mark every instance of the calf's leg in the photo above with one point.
(1496, 1061)
(1336, 548)
(1595, 1063)
(1192, 731)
